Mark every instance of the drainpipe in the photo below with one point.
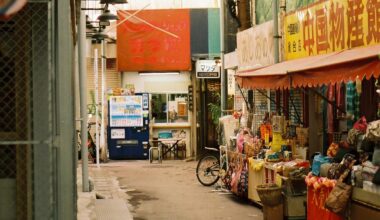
(223, 73)
(83, 99)
(275, 31)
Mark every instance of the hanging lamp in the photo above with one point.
(107, 16)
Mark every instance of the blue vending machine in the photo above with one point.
(128, 126)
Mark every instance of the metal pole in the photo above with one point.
(83, 99)
(102, 133)
(275, 30)
(223, 73)
(96, 105)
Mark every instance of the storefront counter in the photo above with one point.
(364, 205)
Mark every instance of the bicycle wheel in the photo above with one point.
(208, 170)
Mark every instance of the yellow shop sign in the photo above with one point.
(330, 26)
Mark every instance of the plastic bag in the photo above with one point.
(361, 124)
(317, 162)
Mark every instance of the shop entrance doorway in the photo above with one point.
(207, 109)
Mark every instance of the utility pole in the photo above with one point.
(223, 73)
(83, 99)
(275, 31)
(244, 14)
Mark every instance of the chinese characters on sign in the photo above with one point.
(331, 26)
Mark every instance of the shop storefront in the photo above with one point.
(336, 69)
(160, 59)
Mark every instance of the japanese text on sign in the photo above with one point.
(331, 26)
(255, 46)
(207, 69)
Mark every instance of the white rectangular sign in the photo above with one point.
(207, 69)
(255, 46)
(117, 134)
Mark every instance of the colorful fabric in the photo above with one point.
(353, 103)
(330, 109)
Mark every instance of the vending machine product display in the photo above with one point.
(128, 127)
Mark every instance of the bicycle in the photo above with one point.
(210, 166)
(90, 144)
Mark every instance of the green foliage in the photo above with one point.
(91, 108)
(215, 108)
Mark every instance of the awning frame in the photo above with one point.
(341, 66)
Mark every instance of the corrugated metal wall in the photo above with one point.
(296, 111)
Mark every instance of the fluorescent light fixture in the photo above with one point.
(157, 73)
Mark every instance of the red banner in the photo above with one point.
(154, 40)
(316, 205)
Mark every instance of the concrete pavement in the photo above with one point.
(105, 201)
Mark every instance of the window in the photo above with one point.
(170, 108)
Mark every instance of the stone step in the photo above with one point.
(112, 209)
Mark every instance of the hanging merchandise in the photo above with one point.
(358, 83)
(278, 123)
(256, 122)
(352, 102)
(330, 109)
(302, 136)
(243, 181)
(266, 133)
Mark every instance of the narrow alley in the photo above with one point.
(171, 191)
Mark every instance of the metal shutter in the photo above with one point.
(239, 99)
(113, 77)
(296, 96)
(273, 97)
(260, 102)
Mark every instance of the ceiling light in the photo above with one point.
(107, 16)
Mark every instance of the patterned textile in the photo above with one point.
(330, 109)
(352, 101)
